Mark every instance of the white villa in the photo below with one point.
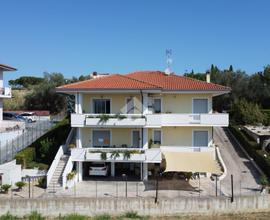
(134, 122)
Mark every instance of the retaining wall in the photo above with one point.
(114, 206)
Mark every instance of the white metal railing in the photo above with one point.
(80, 120)
(5, 91)
(9, 125)
(54, 164)
(67, 170)
(69, 139)
(157, 120)
(187, 149)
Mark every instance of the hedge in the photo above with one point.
(267, 113)
(58, 134)
(253, 149)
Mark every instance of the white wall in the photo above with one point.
(11, 172)
(1, 109)
(1, 79)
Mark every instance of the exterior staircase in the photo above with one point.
(56, 181)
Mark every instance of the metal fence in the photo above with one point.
(161, 189)
(16, 140)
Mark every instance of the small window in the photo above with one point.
(200, 106)
(157, 137)
(157, 105)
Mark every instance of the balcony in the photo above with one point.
(5, 92)
(116, 154)
(107, 120)
(159, 120)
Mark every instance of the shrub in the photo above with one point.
(8, 216)
(35, 216)
(20, 184)
(71, 175)
(25, 156)
(74, 217)
(103, 217)
(44, 149)
(132, 214)
(42, 182)
(5, 188)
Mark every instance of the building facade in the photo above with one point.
(5, 92)
(135, 122)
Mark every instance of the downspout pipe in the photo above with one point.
(142, 116)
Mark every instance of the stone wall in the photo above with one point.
(113, 206)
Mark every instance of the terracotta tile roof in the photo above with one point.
(174, 82)
(145, 80)
(7, 68)
(115, 81)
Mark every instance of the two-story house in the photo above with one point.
(5, 92)
(134, 122)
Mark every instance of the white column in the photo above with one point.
(145, 138)
(145, 103)
(112, 169)
(79, 137)
(1, 109)
(145, 171)
(79, 171)
(80, 100)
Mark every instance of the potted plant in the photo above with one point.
(5, 188)
(20, 185)
(103, 156)
(71, 175)
(70, 146)
(126, 154)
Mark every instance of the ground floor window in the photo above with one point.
(200, 138)
(101, 138)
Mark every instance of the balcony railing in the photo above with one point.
(158, 120)
(107, 120)
(5, 92)
(116, 154)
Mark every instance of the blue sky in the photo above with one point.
(79, 37)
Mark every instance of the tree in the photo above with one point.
(25, 82)
(44, 97)
(244, 112)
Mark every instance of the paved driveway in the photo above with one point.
(245, 174)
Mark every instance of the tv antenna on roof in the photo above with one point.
(168, 61)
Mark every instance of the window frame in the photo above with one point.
(193, 136)
(208, 103)
(98, 98)
(92, 136)
(154, 103)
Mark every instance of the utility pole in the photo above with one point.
(232, 188)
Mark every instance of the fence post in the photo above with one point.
(232, 188)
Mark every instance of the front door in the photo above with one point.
(135, 138)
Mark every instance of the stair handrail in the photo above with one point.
(68, 168)
(68, 140)
(54, 164)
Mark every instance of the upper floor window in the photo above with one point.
(130, 105)
(157, 137)
(157, 105)
(200, 105)
(102, 106)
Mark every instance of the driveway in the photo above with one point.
(245, 174)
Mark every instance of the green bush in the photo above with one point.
(5, 188)
(103, 217)
(44, 149)
(132, 214)
(42, 182)
(262, 158)
(8, 216)
(35, 216)
(267, 114)
(26, 156)
(74, 217)
(20, 184)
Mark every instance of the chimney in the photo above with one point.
(208, 78)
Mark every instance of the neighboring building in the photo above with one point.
(135, 121)
(5, 92)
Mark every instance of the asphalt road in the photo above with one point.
(245, 174)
